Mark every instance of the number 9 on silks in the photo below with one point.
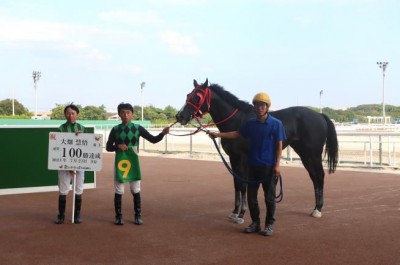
(127, 168)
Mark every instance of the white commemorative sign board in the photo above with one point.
(70, 151)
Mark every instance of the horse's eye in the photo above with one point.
(198, 98)
(195, 98)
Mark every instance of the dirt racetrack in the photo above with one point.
(185, 208)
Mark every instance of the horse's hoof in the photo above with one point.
(239, 220)
(233, 216)
(316, 214)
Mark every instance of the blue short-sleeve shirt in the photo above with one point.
(262, 139)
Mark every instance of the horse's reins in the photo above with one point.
(278, 198)
(207, 97)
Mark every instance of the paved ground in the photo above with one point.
(185, 208)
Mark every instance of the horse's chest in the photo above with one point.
(235, 147)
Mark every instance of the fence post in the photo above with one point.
(365, 153)
(191, 145)
(388, 152)
(166, 143)
(370, 151)
(380, 150)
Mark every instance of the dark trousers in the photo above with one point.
(261, 176)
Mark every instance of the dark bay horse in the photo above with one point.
(307, 133)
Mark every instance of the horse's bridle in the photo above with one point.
(204, 95)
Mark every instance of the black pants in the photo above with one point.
(261, 176)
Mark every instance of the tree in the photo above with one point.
(57, 113)
(162, 116)
(170, 112)
(137, 112)
(93, 113)
(86, 113)
(207, 119)
(151, 112)
(6, 108)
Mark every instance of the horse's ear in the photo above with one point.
(205, 83)
(195, 83)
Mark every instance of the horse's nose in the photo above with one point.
(178, 116)
(181, 118)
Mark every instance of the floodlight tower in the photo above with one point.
(320, 100)
(36, 75)
(141, 93)
(383, 66)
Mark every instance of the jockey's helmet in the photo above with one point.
(262, 97)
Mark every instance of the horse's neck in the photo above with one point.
(226, 116)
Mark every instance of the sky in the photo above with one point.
(98, 52)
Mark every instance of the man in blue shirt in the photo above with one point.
(265, 134)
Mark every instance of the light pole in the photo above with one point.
(141, 93)
(36, 75)
(383, 66)
(320, 100)
(13, 101)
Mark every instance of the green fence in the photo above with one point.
(24, 157)
(98, 124)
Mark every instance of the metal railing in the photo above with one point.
(360, 149)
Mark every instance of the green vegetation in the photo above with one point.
(7, 109)
(85, 113)
(167, 115)
(361, 112)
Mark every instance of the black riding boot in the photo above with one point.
(118, 211)
(62, 199)
(77, 213)
(138, 208)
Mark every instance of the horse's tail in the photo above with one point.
(332, 146)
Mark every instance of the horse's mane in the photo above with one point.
(230, 98)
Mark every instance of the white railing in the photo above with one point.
(356, 148)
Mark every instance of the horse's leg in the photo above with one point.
(243, 207)
(237, 202)
(313, 165)
(238, 212)
(240, 203)
(317, 175)
(243, 173)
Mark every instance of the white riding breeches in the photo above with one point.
(120, 187)
(65, 178)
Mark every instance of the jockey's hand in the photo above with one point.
(165, 130)
(122, 147)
